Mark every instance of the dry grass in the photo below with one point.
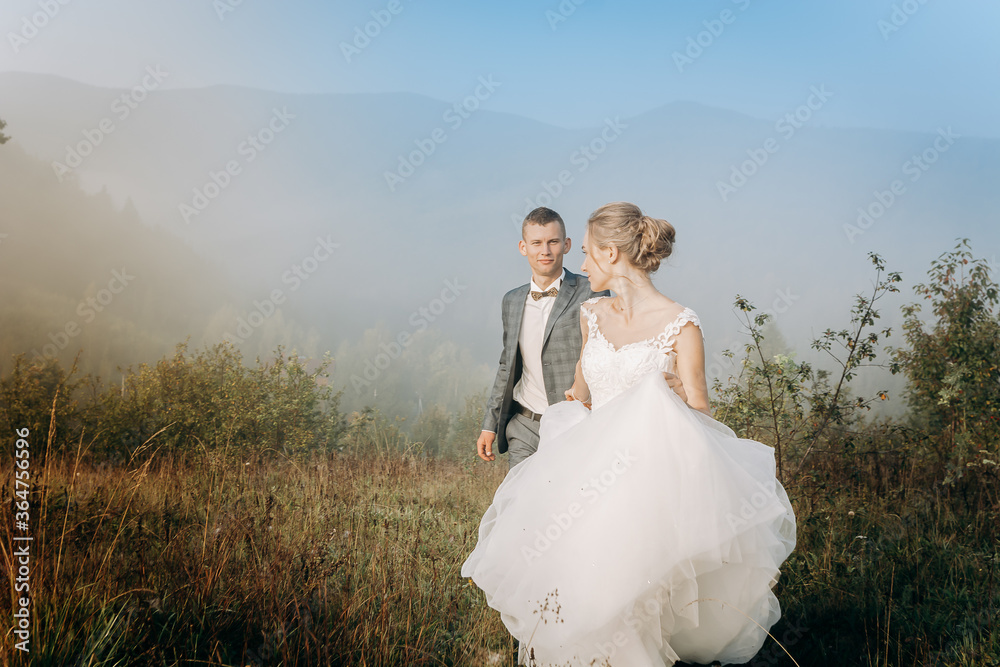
(344, 560)
(330, 561)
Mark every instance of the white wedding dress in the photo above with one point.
(642, 532)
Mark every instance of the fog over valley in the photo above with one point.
(382, 228)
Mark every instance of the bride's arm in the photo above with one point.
(580, 391)
(690, 367)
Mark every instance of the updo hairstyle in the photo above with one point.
(643, 240)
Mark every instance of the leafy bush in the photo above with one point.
(205, 400)
(42, 398)
(953, 368)
(211, 400)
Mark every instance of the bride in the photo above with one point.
(642, 532)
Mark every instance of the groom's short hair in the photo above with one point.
(543, 216)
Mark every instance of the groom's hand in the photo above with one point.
(675, 383)
(485, 445)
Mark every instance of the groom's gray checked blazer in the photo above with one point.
(560, 350)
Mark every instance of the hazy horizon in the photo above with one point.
(236, 143)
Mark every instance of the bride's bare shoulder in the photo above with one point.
(667, 308)
(675, 315)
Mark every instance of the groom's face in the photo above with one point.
(544, 246)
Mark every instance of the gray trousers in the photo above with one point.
(522, 442)
(522, 439)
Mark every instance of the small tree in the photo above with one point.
(953, 368)
(791, 405)
(3, 137)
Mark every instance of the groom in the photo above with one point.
(541, 341)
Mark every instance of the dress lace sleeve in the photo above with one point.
(687, 315)
(669, 335)
(588, 312)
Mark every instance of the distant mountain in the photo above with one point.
(359, 209)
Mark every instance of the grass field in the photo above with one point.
(207, 512)
(355, 560)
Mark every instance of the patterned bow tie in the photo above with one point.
(552, 291)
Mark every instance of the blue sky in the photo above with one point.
(560, 62)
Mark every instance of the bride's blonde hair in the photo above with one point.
(643, 240)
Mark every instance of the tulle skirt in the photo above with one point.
(640, 533)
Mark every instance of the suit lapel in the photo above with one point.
(565, 297)
(516, 313)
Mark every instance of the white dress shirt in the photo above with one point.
(530, 388)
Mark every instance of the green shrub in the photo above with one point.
(206, 400)
(211, 400)
(953, 367)
(29, 395)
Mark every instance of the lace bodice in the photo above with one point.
(610, 371)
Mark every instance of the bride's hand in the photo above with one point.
(570, 396)
(675, 383)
